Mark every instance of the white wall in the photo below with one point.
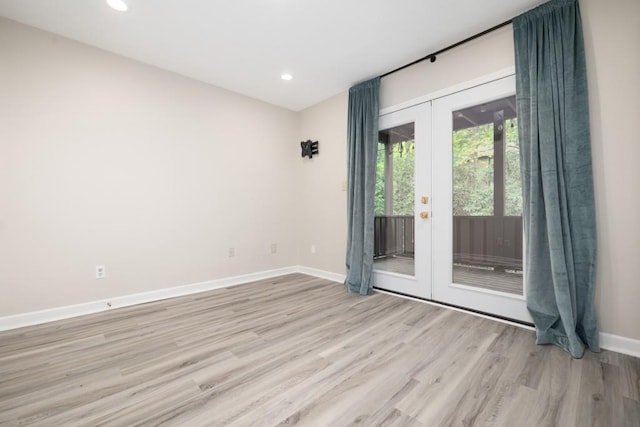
(104, 160)
(612, 32)
(612, 37)
(483, 56)
(321, 199)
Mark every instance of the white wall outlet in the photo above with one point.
(313, 249)
(232, 252)
(101, 272)
(274, 248)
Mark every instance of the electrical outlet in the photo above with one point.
(232, 252)
(274, 248)
(100, 272)
(313, 249)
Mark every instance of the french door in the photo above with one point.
(467, 208)
(402, 248)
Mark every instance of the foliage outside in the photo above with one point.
(512, 177)
(473, 171)
(403, 159)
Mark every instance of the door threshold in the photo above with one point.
(490, 316)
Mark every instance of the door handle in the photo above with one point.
(424, 215)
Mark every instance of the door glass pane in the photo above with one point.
(512, 178)
(473, 170)
(394, 202)
(487, 197)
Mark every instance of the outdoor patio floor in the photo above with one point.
(500, 281)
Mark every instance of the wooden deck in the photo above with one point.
(481, 278)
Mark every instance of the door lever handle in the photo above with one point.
(424, 215)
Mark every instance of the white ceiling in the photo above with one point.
(245, 45)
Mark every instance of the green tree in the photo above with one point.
(403, 158)
(379, 201)
(512, 177)
(473, 171)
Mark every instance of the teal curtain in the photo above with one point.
(362, 141)
(557, 177)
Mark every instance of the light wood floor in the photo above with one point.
(299, 350)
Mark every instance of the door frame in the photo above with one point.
(405, 284)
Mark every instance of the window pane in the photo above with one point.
(487, 200)
(380, 201)
(512, 177)
(394, 202)
(403, 153)
(473, 170)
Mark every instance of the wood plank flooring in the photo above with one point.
(300, 350)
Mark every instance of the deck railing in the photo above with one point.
(491, 241)
(477, 240)
(393, 236)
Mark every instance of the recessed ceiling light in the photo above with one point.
(118, 5)
(286, 77)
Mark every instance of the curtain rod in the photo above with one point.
(432, 56)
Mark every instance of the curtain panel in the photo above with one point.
(362, 141)
(557, 177)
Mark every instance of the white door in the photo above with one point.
(402, 258)
(477, 207)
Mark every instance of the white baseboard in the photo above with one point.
(620, 344)
(334, 277)
(611, 342)
(66, 312)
